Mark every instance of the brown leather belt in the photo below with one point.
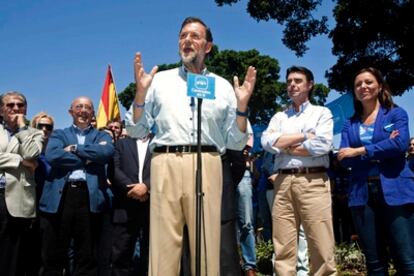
(303, 170)
(373, 178)
(184, 149)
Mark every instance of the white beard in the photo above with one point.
(189, 59)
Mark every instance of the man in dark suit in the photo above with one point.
(74, 192)
(130, 185)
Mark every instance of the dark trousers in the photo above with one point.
(105, 244)
(229, 256)
(31, 249)
(124, 238)
(229, 253)
(73, 220)
(11, 233)
(381, 226)
(342, 220)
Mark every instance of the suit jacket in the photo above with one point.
(126, 165)
(92, 156)
(397, 180)
(20, 191)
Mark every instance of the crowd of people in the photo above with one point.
(121, 200)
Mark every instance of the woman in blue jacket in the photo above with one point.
(381, 193)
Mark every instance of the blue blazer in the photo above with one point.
(397, 180)
(92, 156)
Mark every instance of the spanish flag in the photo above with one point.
(108, 105)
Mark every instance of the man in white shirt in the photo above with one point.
(301, 138)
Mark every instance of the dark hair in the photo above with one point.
(384, 96)
(301, 69)
(115, 121)
(190, 19)
(108, 130)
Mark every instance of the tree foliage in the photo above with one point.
(296, 15)
(373, 33)
(269, 95)
(367, 33)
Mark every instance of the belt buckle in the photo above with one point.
(307, 170)
(74, 184)
(185, 149)
(178, 149)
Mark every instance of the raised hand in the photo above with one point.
(244, 91)
(18, 120)
(143, 80)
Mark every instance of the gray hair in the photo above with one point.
(12, 93)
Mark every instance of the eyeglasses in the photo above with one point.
(81, 106)
(46, 126)
(12, 105)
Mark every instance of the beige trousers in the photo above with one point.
(173, 205)
(306, 199)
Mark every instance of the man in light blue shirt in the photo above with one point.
(161, 100)
(301, 138)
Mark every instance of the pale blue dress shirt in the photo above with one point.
(79, 175)
(310, 118)
(174, 114)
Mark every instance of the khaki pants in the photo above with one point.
(303, 199)
(173, 204)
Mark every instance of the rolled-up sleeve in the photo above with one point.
(143, 126)
(322, 143)
(271, 135)
(234, 139)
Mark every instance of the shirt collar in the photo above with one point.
(184, 71)
(81, 131)
(9, 130)
(302, 108)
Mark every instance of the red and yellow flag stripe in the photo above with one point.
(108, 105)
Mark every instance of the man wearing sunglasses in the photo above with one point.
(74, 193)
(19, 148)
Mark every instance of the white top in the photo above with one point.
(142, 145)
(170, 111)
(310, 118)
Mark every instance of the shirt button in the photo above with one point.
(191, 118)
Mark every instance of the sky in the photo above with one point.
(54, 51)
